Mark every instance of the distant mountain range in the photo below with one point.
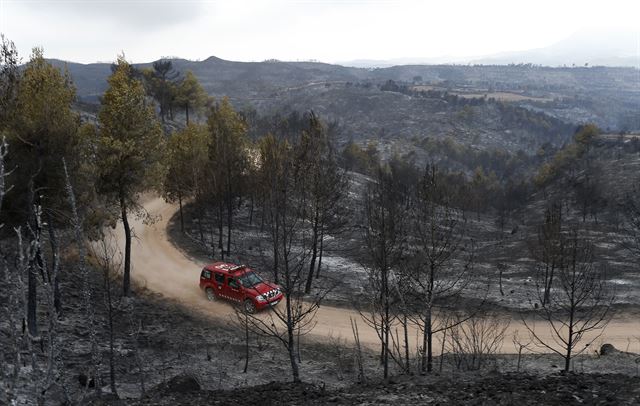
(592, 47)
(365, 104)
(252, 83)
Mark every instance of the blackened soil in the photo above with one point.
(490, 389)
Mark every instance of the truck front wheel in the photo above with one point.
(249, 306)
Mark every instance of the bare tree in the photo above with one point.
(228, 164)
(520, 344)
(14, 302)
(54, 367)
(577, 304)
(358, 350)
(13, 307)
(403, 311)
(547, 248)
(135, 325)
(384, 237)
(589, 196)
(105, 253)
(87, 301)
(32, 281)
(272, 173)
(294, 317)
(476, 339)
(30, 258)
(440, 269)
(327, 189)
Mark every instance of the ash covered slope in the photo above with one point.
(396, 120)
(608, 96)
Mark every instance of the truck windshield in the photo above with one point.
(250, 279)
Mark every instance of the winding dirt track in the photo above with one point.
(159, 266)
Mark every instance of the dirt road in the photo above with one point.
(159, 266)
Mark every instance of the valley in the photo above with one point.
(447, 233)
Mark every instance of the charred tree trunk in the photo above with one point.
(112, 367)
(314, 254)
(32, 322)
(53, 241)
(32, 282)
(251, 210)
(126, 282)
(501, 268)
(213, 240)
(229, 223)
(220, 232)
(201, 230)
(405, 327)
(572, 312)
(548, 284)
(429, 333)
(263, 214)
(276, 253)
(567, 358)
(246, 342)
(181, 213)
(444, 341)
(321, 251)
(423, 360)
(291, 342)
(386, 324)
(427, 341)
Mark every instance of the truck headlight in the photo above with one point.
(260, 298)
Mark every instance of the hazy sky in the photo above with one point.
(330, 31)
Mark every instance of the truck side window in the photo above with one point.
(232, 283)
(206, 274)
(219, 278)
